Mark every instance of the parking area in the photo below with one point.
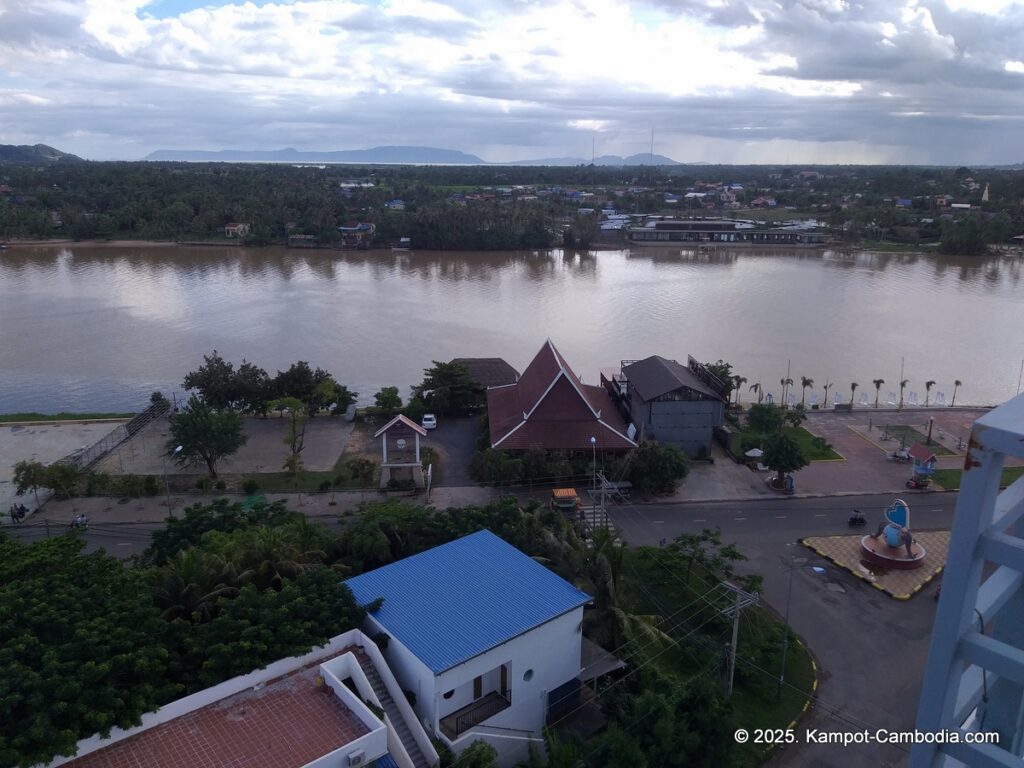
(455, 440)
(264, 451)
(43, 442)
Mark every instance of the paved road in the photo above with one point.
(871, 649)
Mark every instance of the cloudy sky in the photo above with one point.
(735, 81)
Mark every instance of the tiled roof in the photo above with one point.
(286, 724)
(655, 376)
(488, 371)
(550, 407)
(454, 602)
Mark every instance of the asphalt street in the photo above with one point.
(871, 649)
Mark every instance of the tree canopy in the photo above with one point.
(448, 389)
(205, 434)
(782, 454)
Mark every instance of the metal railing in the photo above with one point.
(84, 458)
(477, 712)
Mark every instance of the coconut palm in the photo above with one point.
(878, 388)
(191, 583)
(903, 386)
(928, 391)
(739, 381)
(853, 390)
(805, 383)
(956, 385)
(825, 400)
(785, 382)
(756, 387)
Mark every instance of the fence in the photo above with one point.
(84, 458)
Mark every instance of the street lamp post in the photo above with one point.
(593, 444)
(785, 626)
(167, 488)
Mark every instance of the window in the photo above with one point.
(528, 676)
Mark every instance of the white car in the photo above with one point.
(429, 421)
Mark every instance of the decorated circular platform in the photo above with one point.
(880, 552)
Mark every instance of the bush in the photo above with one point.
(98, 484)
(151, 485)
(657, 468)
(325, 486)
(361, 470)
(494, 467)
(220, 485)
(204, 484)
(251, 487)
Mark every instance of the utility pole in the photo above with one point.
(744, 599)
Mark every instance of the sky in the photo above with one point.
(718, 81)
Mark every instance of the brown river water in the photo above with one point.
(98, 328)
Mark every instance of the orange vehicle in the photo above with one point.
(566, 500)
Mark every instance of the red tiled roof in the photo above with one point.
(550, 407)
(286, 724)
(921, 453)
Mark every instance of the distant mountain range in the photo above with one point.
(393, 155)
(644, 158)
(35, 153)
(387, 155)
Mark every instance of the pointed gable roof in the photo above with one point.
(549, 393)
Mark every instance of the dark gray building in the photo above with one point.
(667, 401)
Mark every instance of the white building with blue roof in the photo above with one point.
(488, 640)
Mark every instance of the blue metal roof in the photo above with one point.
(456, 601)
(386, 761)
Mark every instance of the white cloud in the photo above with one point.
(522, 78)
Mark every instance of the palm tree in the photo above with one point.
(878, 388)
(804, 384)
(956, 385)
(853, 391)
(786, 382)
(903, 385)
(827, 385)
(191, 583)
(928, 391)
(739, 381)
(756, 387)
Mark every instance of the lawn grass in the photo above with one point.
(7, 418)
(811, 445)
(909, 436)
(950, 478)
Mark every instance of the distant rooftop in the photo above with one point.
(488, 371)
(456, 601)
(287, 723)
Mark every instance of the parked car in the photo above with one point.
(429, 421)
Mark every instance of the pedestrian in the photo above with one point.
(14, 515)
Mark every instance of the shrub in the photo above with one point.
(251, 487)
(325, 486)
(657, 468)
(362, 470)
(204, 484)
(220, 485)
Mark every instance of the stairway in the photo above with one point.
(392, 711)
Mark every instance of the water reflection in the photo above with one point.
(93, 327)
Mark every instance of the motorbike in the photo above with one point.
(856, 519)
(918, 485)
(81, 522)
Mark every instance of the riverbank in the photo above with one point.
(31, 417)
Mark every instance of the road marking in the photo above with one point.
(937, 509)
(821, 515)
(124, 543)
(699, 520)
(780, 517)
(657, 522)
(739, 518)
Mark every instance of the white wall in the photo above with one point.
(411, 673)
(552, 651)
